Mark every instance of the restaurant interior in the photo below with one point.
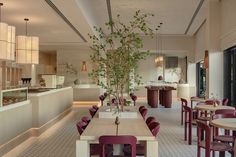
(130, 78)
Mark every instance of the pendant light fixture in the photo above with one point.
(84, 66)
(159, 58)
(7, 40)
(27, 48)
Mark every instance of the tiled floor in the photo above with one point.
(59, 140)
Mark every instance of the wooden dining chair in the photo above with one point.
(204, 130)
(125, 140)
(188, 116)
(184, 102)
(225, 101)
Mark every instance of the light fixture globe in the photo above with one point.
(27, 48)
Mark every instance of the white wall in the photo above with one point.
(75, 57)
(216, 72)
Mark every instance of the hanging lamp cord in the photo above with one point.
(26, 26)
(1, 4)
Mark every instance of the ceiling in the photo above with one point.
(175, 14)
(68, 22)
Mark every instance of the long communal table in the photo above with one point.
(106, 126)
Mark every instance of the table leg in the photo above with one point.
(82, 148)
(151, 149)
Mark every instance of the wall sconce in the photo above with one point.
(84, 66)
(206, 60)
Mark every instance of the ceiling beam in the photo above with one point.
(53, 6)
(109, 13)
(194, 16)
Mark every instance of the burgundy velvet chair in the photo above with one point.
(226, 137)
(140, 108)
(184, 102)
(92, 112)
(80, 126)
(188, 114)
(207, 144)
(95, 107)
(86, 119)
(134, 98)
(102, 98)
(150, 119)
(225, 101)
(126, 140)
(154, 127)
(211, 102)
(144, 113)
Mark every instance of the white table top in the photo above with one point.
(212, 108)
(225, 123)
(106, 126)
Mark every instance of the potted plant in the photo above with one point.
(116, 54)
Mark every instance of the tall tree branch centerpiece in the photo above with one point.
(116, 54)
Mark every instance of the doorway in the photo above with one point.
(230, 75)
(201, 79)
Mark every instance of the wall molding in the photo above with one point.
(32, 132)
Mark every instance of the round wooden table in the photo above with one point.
(212, 108)
(225, 123)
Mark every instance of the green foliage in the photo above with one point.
(117, 53)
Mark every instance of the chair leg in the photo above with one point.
(222, 154)
(185, 131)
(182, 121)
(189, 133)
(213, 153)
(198, 151)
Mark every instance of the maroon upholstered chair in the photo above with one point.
(154, 127)
(140, 108)
(126, 140)
(144, 113)
(211, 102)
(92, 111)
(86, 119)
(207, 144)
(133, 97)
(102, 98)
(80, 126)
(225, 101)
(188, 115)
(150, 119)
(184, 102)
(95, 107)
(226, 137)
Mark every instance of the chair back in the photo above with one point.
(204, 130)
(95, 107)
(211, 102)
(144, 113)
(105, 140)
(140, 108)
(80, 126)
(92, 111)
(225, 111)
(150, 119)
(225, 101)
(154, 127)
(188, 114)
(184, 102)
(86, 119)
(224, 115)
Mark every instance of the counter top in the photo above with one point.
(85, 86)
(15, 105)
(49, 92)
